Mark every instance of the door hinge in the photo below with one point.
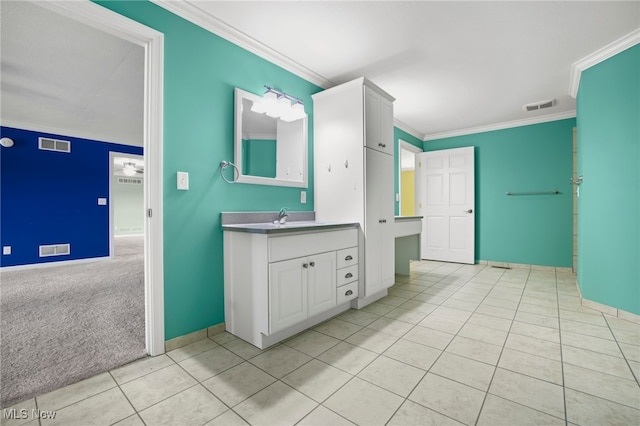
(149, 213)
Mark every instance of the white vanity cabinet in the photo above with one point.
(280, 282)
(353, 153)
(299, 288)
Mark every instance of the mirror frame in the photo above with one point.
(239, 95)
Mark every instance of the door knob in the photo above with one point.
(469, 211)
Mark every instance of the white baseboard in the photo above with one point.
(56, 263)
(525, 266)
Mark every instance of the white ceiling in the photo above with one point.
(62, 76)
(450, 65)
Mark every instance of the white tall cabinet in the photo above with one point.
(353, 156)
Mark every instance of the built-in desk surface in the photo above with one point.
(407, 230)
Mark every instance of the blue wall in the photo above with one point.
(609, 203)
(536, 230)
(51, 197)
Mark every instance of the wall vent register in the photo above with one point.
(55, 250)
(49, 144)
(130, 181)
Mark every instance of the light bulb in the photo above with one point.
(258, 107)
(129, 169)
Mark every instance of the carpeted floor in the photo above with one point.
(62, 324)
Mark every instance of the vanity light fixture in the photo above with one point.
(278, 104)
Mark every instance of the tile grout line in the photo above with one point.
(633, 374)
(564, 388)
(484, 400)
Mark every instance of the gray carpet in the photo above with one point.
(62, 324)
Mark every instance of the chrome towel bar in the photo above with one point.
(554, 192)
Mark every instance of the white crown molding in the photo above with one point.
(192, 13)
(405, 127)
(598, 56)
(504, 125)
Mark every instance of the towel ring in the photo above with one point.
(236, 172)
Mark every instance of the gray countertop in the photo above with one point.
(290, 226)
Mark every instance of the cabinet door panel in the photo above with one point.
(287, 293)
(372, 136)
(387, 212)
(322, 282)
(379, 238)
(386, 126)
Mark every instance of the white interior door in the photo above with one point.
(445, 197)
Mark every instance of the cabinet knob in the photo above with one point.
(349, 275)
(312, 264)
(382, 145)
(348, 293)
(382, 221)
(305, 265)
(348, 258)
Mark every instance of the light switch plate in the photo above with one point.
(183, 181)
(303, 197)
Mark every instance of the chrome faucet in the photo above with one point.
(282, 216)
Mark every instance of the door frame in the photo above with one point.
(404, 145)
(152, 42)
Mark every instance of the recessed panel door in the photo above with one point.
(322, 282)
(445, 197)
(287, 293)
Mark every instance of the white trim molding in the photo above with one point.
(194, 14)
(406, 128)
(504, 125)
(598, 56)
(152, 41)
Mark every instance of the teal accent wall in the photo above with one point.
(259, 157)
(399, 134)
(201, 71)
(528, 229)
(609, 159)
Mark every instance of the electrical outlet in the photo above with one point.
(6, 250)
(303, 197)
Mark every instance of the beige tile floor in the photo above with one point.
(451, 344)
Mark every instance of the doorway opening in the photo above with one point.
(406, 178)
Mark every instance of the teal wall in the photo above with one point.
(609, 203)
(259, 157)
(201, 71)
(534, 229)
(399, 134)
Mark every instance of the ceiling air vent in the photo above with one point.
(49, 144)
(539, 105)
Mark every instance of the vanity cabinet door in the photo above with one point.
(287, 293)
(322, 282)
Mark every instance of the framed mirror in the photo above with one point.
(268, 150)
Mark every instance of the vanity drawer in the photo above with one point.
(347, 257)
(346, 275)
(347, 292)
(308, 243)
